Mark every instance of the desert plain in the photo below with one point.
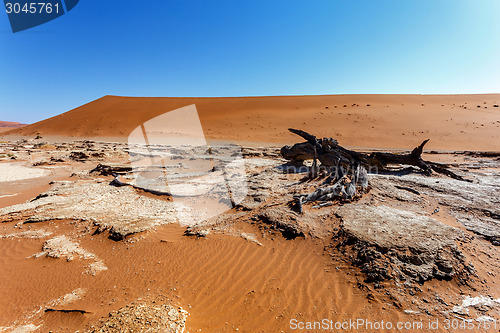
(86, 249)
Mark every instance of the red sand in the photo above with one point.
(452, 122)
(9, 125)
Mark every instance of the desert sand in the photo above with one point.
(452, 122)
(83, 252)
(9, 125)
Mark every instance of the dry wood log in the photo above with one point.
(322, 191)
(67, 311)
(330, 153)
(106, 169)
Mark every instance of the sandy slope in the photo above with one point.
(9, 125)
(452, 122)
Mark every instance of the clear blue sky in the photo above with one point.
(245, 48)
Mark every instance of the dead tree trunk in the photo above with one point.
(347, 168)
(331, 154)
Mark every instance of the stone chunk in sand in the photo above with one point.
(478, 302)
(33, 234)
(387, 227)
(389, 243)
(143, 317)
(122, 210)
(63, 247)
(475, 205)
(289, 223)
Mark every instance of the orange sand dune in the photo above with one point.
(9, 125)
(452, 122)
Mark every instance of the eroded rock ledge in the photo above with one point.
(388, 243)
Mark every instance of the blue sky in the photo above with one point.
(248, 48)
